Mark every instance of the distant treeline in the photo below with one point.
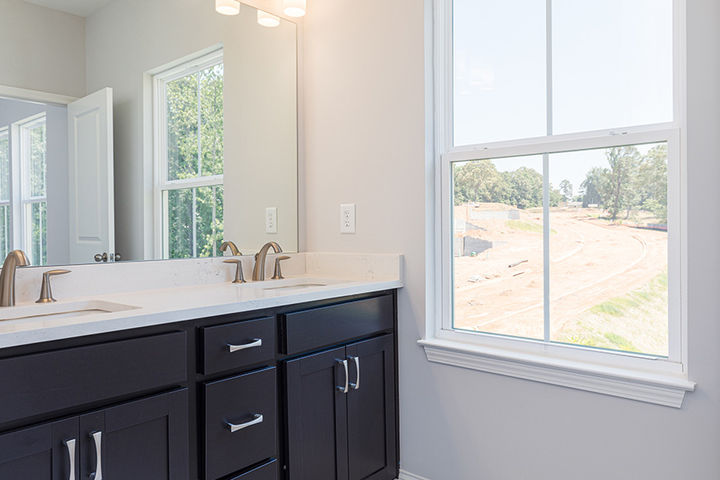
(633, 182)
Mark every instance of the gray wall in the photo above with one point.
(365, 134)
(41, 49)
(12, 111)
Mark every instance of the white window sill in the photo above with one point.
(656, 388)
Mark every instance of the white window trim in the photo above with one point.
(161, 183)
(8, 203)
(19, 200)
(639, 377)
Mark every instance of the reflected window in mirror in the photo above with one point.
(23, 188)
(4, 191)
(189, 158)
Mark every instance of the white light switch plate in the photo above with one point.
(347, 218)
(271, 220)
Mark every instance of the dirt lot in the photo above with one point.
(594, 266)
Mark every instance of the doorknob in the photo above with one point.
(101, 257)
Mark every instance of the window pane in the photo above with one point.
(4, 167)
(612, 64)
(195, 222)
(36, 159)
(209, 221)
(4, 230)
(180, 223)
(36, 225)
(195, 124)
(211, 126)
(182, 127)
(608, 250)
(499, 70)
(498, 246)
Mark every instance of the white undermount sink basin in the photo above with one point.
(61, 310)
(288, 284)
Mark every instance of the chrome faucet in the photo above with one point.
(259, 269)
(233, 248)
(14, 259)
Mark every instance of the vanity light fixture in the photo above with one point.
(294, 8)
(227, 7)
(267, 19)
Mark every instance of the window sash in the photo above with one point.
(445, 152)
(160, 170)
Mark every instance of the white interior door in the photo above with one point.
(92, 206)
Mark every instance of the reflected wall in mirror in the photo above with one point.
(145, 129)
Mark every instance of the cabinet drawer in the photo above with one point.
(238, 344)
(266, 471)
(52, 381)
(249, 402)
(324, 326)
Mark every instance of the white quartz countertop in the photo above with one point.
(162, 306)
(316, 277)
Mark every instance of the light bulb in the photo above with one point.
(267, 19)
(227, 7)
(294, 8)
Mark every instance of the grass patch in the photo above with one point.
(619, 306)
(524, 226)
(634, 322)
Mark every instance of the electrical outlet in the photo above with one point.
(271, 220)
(347, 218)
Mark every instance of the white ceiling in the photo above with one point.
(82, 8)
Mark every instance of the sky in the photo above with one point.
(611, 68)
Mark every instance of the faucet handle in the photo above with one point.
(277, 275)
(239, 277)
(46, 289)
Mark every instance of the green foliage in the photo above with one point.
(195, 150)
(633, 182)
(479, 181)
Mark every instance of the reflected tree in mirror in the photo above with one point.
(194, 208)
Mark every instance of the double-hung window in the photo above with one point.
(189, 158)
(559, 193)
(23, 188)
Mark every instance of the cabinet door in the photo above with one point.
(317, 417)
(45, 452)
(142, 440)
(372, 451)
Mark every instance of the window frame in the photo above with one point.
(161, 184)
(641, 377)
(9, 202)
(23, 210)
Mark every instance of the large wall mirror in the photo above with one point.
(145, 129)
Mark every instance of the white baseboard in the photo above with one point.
(405, 475)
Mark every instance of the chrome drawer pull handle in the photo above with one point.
(256, 342)
(70, 445)
(235, 427)
(346, 388)
(356, 385)
(97, 437)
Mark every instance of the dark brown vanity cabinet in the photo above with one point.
(300, 392)
(341, 413)
(145, 439)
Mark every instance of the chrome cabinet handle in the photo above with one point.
(70, 445)
(356, 385)
(256, 342)
(346, 388)
(235, 427)
(97, 437)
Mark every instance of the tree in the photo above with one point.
(651, 183)
(619, 192)
(478, 181)
(566, 189)
(593, 185)
(524, 188)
